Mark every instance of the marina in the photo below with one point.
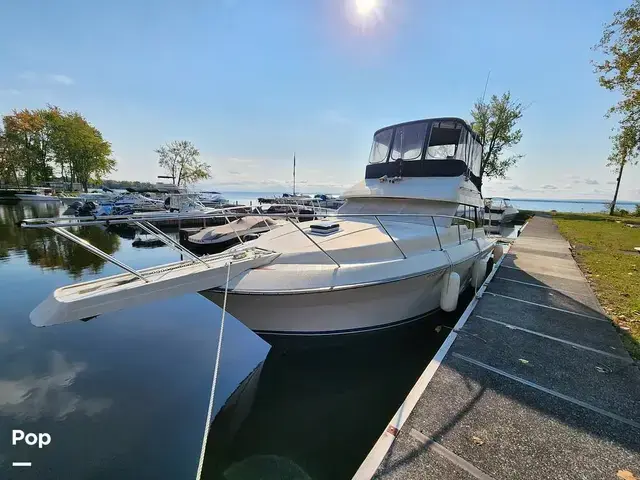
(354, 239)
(141, 376)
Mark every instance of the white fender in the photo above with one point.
(478, 272)
(450, 292)
(497, 252)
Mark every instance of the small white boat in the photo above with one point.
(498, 211)
(327, 201)
(212, 199)
(69, 200)
(243, 229)
(408, 240)
(41, 195)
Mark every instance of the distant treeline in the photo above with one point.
(123, 184)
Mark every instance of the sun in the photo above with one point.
(365, 7)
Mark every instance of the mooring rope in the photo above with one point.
(215, 377)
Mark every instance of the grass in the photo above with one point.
(604, 248)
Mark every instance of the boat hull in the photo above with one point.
(37, 198)
(347, 311)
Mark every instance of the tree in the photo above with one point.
(27, 137)
(625, 151)
(619, 71)
(620, 68)
(179, 159)
(35, 142)
(495, 123)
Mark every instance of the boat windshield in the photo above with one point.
(408, 141)
(380, 147)
(444, 139)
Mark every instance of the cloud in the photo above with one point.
(573, 177)
(49, 78)
(516, 188)
(548, 186)
(47, 395)
(9, 91)
(334, 116)
(568, 186)
(611, 183)
(61, 79)
(28, 76)
(590, 181)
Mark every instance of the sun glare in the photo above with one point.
(365, 7)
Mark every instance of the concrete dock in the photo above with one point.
(535, 384)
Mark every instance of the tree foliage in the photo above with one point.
(35, 144)
(619, 71)
(495, 122)
(180, 160)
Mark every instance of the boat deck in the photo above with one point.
(537, 383)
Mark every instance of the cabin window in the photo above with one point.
(475, 160)
(444, 140)
(380, 148)
(465, 212)
(408, 141)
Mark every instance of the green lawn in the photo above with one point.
(604, 248)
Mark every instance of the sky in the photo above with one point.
(251, 82)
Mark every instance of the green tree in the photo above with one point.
(80, 149)
(179, 159)
(625, 151)
(27, 138)
(495, 122)
(619, 71)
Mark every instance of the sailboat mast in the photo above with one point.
(294, 173)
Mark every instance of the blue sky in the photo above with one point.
(250, 82)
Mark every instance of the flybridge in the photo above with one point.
(437, 147)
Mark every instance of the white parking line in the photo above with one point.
(567, 342)
(548, 390)
(549, 307)
(542, 286)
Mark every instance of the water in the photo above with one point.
(125, 395)
(573, 206)
(543, 205)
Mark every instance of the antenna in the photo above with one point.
(486, 84)
(294, 173)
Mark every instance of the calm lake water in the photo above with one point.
(125, 395)
(573, 206)
(542, 205)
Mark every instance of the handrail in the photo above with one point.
(123, 219)
(433, 220)
(93, 249)
(142, 221)
(169, 242)
(392, 239)
(314, 242)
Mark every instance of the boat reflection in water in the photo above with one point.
(315, 414)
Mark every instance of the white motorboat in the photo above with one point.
(499, 211)
(211, 199)
(239, 230)
(327, 200)
(39, 195)
(407, 241)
